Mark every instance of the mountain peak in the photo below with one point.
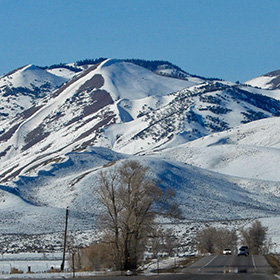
(31, 67)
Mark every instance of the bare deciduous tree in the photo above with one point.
(131, 203)
(163, 242)
(108, 195)
(155, 241)
(97, 256)
(214, 240)
(255, 237)
(225, 239)
(206, 240)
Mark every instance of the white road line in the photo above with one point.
(254, 264)
(277, 276)
(208, 262)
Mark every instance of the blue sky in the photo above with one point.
(229, 39)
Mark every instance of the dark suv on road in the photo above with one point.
(243, 251)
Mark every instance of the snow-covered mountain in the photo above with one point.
(215, 142)
(73, 117)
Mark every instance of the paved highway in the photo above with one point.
(232, 267)
(231, 264)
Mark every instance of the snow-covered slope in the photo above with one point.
(249, 151)
(24, 87)
(203, 195)
(128, 81)
(270, 80)
(187, 115)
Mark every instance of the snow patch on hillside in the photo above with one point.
(63, 73)
(262, 81)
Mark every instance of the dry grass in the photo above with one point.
(274, 262)
(16, 271)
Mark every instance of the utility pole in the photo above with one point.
(65, 239)
(73, 263)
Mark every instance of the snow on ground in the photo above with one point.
(273, 232)
(33, 262)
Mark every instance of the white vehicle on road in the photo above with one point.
(226, 252)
